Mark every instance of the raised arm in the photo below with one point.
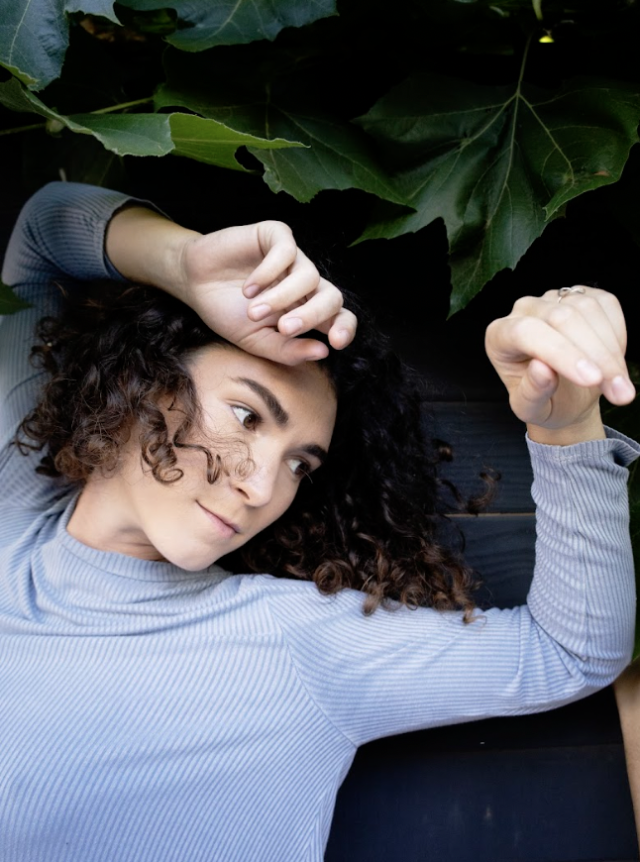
(70, 233)
(250, 283)
(57, 240)
(412, 669)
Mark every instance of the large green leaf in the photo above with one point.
(497, 163)
(9, 302)
(210, 24)
(34, 35)
(146, 134)
(214, 143)
(337, 155)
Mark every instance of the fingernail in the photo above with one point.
(589, 372)
(251, 290)
(257, 312)
(622, 387)
(343, 335)
(290, 326)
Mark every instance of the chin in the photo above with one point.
(196, 564)
(196, 561)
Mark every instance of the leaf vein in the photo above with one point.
(15, 35)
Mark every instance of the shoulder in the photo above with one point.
(310, 620)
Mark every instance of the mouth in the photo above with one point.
(227, 528)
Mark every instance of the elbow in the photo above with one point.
(592, 674)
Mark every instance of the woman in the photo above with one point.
(157, 707)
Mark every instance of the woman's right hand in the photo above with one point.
(251, 283)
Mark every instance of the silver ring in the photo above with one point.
(565, 291)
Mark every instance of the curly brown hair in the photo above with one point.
(372, 518)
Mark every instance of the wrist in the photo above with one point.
(590, 428)
(147, 248)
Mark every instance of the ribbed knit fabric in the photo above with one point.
(149, 714)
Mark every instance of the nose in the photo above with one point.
(255, 480)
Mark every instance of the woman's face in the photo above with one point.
(280, 417)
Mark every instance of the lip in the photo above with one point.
(227, 528)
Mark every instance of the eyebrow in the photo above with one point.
(317, 451)
(276, 409)
(280, 415)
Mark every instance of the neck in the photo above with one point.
(102, 520)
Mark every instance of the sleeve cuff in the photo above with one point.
(621, 448)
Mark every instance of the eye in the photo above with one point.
(299, 467)
(249, 419)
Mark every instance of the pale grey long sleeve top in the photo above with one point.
(148, 714)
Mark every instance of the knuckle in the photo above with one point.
(492, 329)
(521, 305)
(610, 303)
(521, 327)
(550, 294)
(279, 226)
(560, 315)
(589, 304)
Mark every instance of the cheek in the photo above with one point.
(287, 492)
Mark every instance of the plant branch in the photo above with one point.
(123, 105)
(22, 129)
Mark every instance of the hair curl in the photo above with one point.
(372, 518)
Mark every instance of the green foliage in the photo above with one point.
(208, 24)
(337, 155)
(451, 110)
(145, 134)
(497, 163)
(34, 36)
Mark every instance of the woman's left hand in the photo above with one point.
(557, 358)
(255, 287)
(251, 283)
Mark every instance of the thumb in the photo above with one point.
(537, 386)
(271, 344)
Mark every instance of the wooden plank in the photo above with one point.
(591, 721)
(501, 549)
(484, 436)
(540, 805)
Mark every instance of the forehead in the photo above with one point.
(304, 391)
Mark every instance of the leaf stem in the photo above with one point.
(108, 110)
(525, 54)
(123, 105)
(22, 129)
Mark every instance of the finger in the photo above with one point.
(592, 334)
(594, 324)
(317, 312)
(297, 350)
(280, 252)
(600, 308)
(340, 328)
(276, 347)
(516, 339)
(531, 400)
(615, 316)
(343, 329)
(301, 282)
